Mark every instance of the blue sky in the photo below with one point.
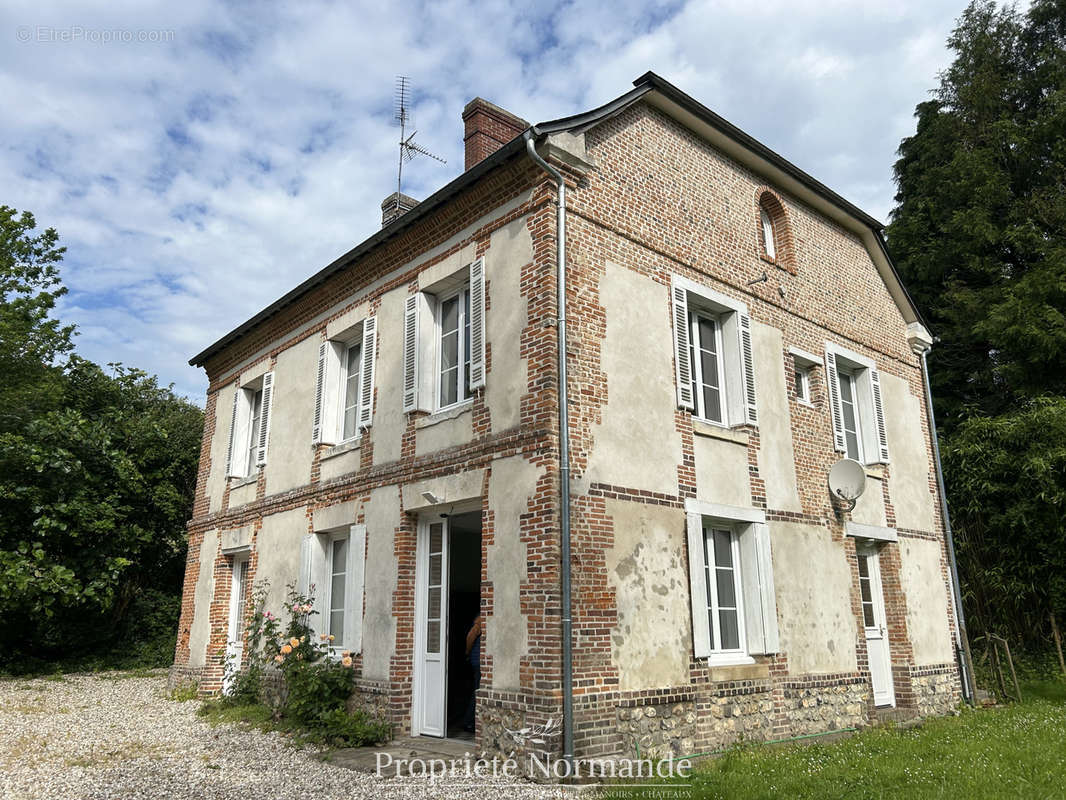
(199, 174)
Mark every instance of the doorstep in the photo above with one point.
(365, 759)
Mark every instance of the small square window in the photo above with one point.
(803, 383)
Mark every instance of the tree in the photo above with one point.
(97, 473)
(32, 343)
(979, 235)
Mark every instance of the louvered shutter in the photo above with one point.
(313, 560)
(747, 365)
(701, 632)
(410, 353)
(366, 372)
(681, 348)
(232, 432)
(353, 612)
(757, 586)
(304, 579)
(879, 417)
(477, 324)
(264, 419)
(832, 385)
(316, 430)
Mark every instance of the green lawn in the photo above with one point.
(1018, 751)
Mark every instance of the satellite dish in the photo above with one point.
(847, 481)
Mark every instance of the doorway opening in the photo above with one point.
(447, 634)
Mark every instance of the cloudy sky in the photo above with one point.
(199, 159)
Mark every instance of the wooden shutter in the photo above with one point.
(681, 348)
(316, 429)
(232, 432)
(264, 419)
(747, 366)
(313, 560)
(757, 587)
(366, 372)
(832, 385)
(354, 579)
(410, 353)
(879, 417)
(477, 324)
(304, 579)
(701, 632)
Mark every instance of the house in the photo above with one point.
(389, 433)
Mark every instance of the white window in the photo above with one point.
(331, 574)
(769, 246)
(713, 355)
(856, 410)
(444, 341)
(453, 348)
(249, 427)
(344, 392)
(708, 372)
(802, 378)
(734, 605)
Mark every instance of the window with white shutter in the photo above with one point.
(855, 406)
(249, 426)
(444, 341)
(713, 355)
(344, 390)
(733, 601)
(332, 574)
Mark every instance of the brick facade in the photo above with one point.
(660, 202)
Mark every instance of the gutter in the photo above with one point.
(564, 446)
(962, 639)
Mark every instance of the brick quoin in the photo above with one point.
(660, 202)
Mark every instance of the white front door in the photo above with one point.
(873, 618)
(235, 639)
(430, 710)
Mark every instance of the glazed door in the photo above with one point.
(873, 616)
(431, 640)
(235, 639)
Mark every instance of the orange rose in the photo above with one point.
(346, 661)
(294, 642)
(285, 649)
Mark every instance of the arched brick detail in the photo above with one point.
(784, 246)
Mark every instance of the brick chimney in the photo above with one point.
(395, 205)
(487, 128)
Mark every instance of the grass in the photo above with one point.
(355, 730)
(1014, 752)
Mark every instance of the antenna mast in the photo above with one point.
(408, 147)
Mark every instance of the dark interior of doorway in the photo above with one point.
(464, 605)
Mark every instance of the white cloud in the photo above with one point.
(196, 180)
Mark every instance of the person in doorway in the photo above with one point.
(473, 657)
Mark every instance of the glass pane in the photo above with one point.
(707, 567)
(340, 553)
(723, 550)
(449, 315)
(351, 389)
(436, 537)
(730, 629)
(336, 591)
(433, 636)
(448, 388)
(853, 445)
(864, 589)
(707, 338)
(727, 597)
(350, 422)
(709, 363)
(449, 350)
(845, 388)
(434, 603)
(864, 567)
(435, 569)
(868, 614)
(336, 625)
(712, 404)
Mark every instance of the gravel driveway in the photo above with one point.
(115, 736)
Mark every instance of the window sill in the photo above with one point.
(719, 660)
(452, 412)
(340, 449)
(875, 471)
(739, 672)
(713, 431)
(237, 483)
(803, 402)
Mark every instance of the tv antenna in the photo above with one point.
(409, 148)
